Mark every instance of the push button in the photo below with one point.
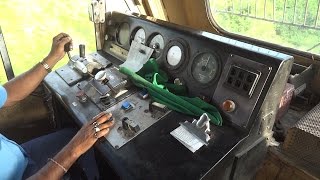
(144, 94)
(126, 106)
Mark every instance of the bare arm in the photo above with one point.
(21, 86)
(79, 144)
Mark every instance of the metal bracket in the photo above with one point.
(97, 10)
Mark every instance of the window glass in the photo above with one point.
(290, 23)
(29, 26)
(117, 5)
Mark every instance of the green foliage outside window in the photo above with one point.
(266, 21)
(29, 26)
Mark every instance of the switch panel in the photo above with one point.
(242, 80)
(130, 123)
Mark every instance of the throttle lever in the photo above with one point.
(67, 48)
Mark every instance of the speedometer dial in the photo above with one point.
(140, 36)
(205, 68)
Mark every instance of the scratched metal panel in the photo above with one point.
(140, 114)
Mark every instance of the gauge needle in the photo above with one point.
(203, 68)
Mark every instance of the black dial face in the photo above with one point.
(123, 34)
(205, 68)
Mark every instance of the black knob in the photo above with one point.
(68, 47)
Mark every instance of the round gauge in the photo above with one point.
(123, 34)
(140, 36)
(157, 43)
(205, 67)
(174, 55)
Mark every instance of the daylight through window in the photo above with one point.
(290, 23)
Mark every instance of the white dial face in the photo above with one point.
(157, 42)
(123, 35)
(140, 36)
(174, 55)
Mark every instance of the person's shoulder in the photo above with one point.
(3, 95)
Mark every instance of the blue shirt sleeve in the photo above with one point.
(3, 96)
(13, 159)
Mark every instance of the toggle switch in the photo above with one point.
(81, 96)
(155, 106)
(128, 124)
(106, 100)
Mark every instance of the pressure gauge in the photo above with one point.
(140, 36)
(205, 67)
(156, 43)
(174, 55)
(123, 34)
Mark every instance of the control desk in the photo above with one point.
(242, 80)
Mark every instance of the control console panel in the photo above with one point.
(231, 75)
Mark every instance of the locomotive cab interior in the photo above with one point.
(238, 84)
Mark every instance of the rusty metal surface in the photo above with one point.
(303, 140)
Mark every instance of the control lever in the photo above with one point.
(77, 64)
(102, 76)
(67, 48)
(82, 50)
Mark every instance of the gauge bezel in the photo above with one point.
(149, 41)
(134, 32)
(118, 31)
(212, 81)
(183, 45)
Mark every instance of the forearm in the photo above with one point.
(66, 157)
(21, 86)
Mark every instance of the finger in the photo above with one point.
(106, 125)
(65, 40)
(59, 36)
(97, 117)
(104, 118)
(103, 133)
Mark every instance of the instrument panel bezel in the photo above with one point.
(219, 68)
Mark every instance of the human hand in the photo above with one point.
(86, 136)
(57, 49)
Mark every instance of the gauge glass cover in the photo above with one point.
(140, 36)
(205, 67)
(174, 55)
(123, 34)
(157, 42)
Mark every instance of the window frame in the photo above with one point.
(288, 50)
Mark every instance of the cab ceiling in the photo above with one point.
(188, 13)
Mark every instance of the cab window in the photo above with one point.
(28, 27)
(290, 23)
